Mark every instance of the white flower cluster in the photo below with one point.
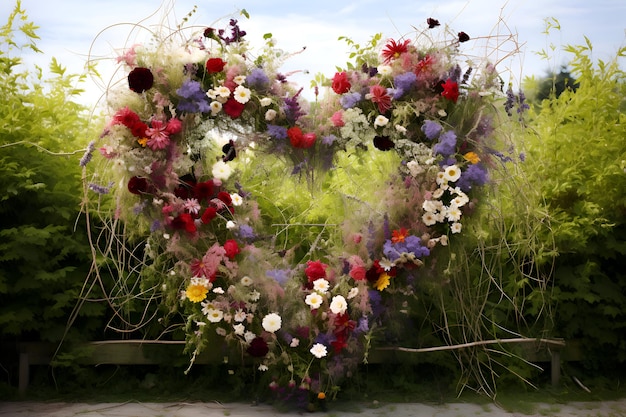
(436, 211)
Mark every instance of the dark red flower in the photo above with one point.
(215, 65)
(185, 222)
(393, 49)
(383, 143)
(203, 190)
(225, 197)
(463, 37)
(341, 84)
(258, 347)
(232, 248)
(140, 79)
(315, 270)
(299, 139)
(233, 108)
(379, 95)
(339, 343)
(450, 90)
(432, 23)
(138, 185)
(209, 33)
(209, 214)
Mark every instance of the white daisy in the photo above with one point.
(242, 94)
(338, 305)
(272, 322)
(319, 350)
(314, 300)
(321, 285)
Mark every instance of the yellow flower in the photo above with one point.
(196, 293)
(321, 395)
(472, 157)
(383, 281)
(143, 141)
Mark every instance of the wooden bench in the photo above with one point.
(155, 352)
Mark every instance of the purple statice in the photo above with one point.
(363, 325)
(292, 108)
(521, 100)
(100, 189)
(446, 145)
(522, 157)
(236, 34)
(404, 83)
(431, 129)
(391, 251)
(350, 100)
(502, 157)
(156, 225)
(192, 98)
(474, 175)
(376, 302)
(88, 154)
(410, 245)
(240, 190)
(279, 275)
(510, 101)
(518, 101)
(258, 80)
(277, 132)
(328, 140)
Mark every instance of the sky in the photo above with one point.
(510, 33)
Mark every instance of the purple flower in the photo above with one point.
(446, 145)
(363, 326)
(279, 275)
(277, 132)
(245, 232)
(404, 82)
(431, 129)
(350, 100)
(257, 79)
(292, 108)
(474, 175)
(100, 189)
(329, 139)
(156, 225)
(375, 302)
(88, 154)
(193, 98)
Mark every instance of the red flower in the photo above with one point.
(203, 190)
(424, 64)
(315, 270)
(380, 96)
(299, 139)
(208, 215)
(450, 90)
(131, 120)
(339, 343)
(140, 79)
(138, 185)
(233, 108)
(232, 248)
(185, 222)
(225, 198)
(215, 65)
(358, 273)
(341, 84)
(393, 50)
(398, 236)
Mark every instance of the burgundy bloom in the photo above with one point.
(341, 84)
(258, 347)
(209, 214)
(203, 190)
(140, 79)
(138, 185)
(225, 197)
(209, 33)
(185, 222)
(383, 143)
(233, 108)
(463, 37)
(215, 65)
(315, 270)
(432, 23)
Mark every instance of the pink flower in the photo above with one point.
(158, 137)
(337, 119)
(341, 84)
(174, 126)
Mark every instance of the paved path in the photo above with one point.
(136, 409)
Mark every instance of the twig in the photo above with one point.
(553, 342)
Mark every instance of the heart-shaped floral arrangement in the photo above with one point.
(278, 229)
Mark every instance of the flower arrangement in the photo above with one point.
(197, 120)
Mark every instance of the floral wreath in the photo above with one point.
(200, 126)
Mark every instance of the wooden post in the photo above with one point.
(555, 363)
(23, 373)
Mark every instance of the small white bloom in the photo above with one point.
(221, 170)
(218, 290)
(314, 300)
(384, 70)
(240, 79)
(455, 228)
(242, 94)
(216, 107)
(453, 213)
(214, 315)
(443, 240)
(354, 291)
(263, 367)
(321, 285)
(220, 331)
(414, 168)
(452, 173)
(222, 91)
(386, 264)
(240, 315)
(380, 121)
(442, 113)
(438, 193)
(246, 281)
(319, 350)
(230, 225)
(401, 128)
(254, 296)
(236, 199)
(441, 178)
(270, 115)
(429, 218)
(338, 305)
(166, 236)
(240, 329)
(295, 342)
(249, 336)
(272, 322)
(265, 101)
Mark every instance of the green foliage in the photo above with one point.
(44, 253)
(575, 159)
